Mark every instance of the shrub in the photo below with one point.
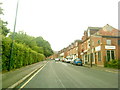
(112, 64)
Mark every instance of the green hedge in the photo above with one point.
(22, 55)
(112, 64)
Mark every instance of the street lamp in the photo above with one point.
(12, 43)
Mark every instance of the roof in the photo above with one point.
(108, 28)
(106, 32)
(78, 40)
(93, 29)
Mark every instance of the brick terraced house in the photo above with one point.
(98, 44)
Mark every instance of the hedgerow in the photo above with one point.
(22, 55)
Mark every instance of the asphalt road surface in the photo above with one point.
(66, 75)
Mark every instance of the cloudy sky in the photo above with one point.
(60, 21)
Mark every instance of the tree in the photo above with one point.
(1, 10)
(22, 37)
(37, 44)
(45, 44)
(38, 49)
(4, 30)
(3, 25)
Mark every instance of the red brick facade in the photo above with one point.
(97, 46)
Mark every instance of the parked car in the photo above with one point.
(68, 60)
(57, 59)
(77, 61)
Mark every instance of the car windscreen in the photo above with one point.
(78, 59)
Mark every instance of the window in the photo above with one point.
(108, 42)
(98, 41)
(99, 56)
(110, 55)
(118, 42)
(89, 44)
(85, 57)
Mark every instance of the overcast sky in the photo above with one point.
(60, 21)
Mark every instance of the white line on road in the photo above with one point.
(58, 78)
(32, 77)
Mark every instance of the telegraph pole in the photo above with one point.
(12, 43)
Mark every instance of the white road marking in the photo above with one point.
(58, 78)
(32, 77)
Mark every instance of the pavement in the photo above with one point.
(10, 79)
(113, 70)
(65, 75)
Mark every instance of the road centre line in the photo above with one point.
(32, 77)
(58, 77)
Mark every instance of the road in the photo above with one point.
(66, 75)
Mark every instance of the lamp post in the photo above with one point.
(12, 43)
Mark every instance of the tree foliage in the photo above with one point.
(3, 25)
(37, 44)
(45, 44)
(4, 30)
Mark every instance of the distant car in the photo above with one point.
(57, 59)
(68, 60)
(77, 61)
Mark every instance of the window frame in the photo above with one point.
(108, 42)
(98, 41)
(111, 58)
(119, 42)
